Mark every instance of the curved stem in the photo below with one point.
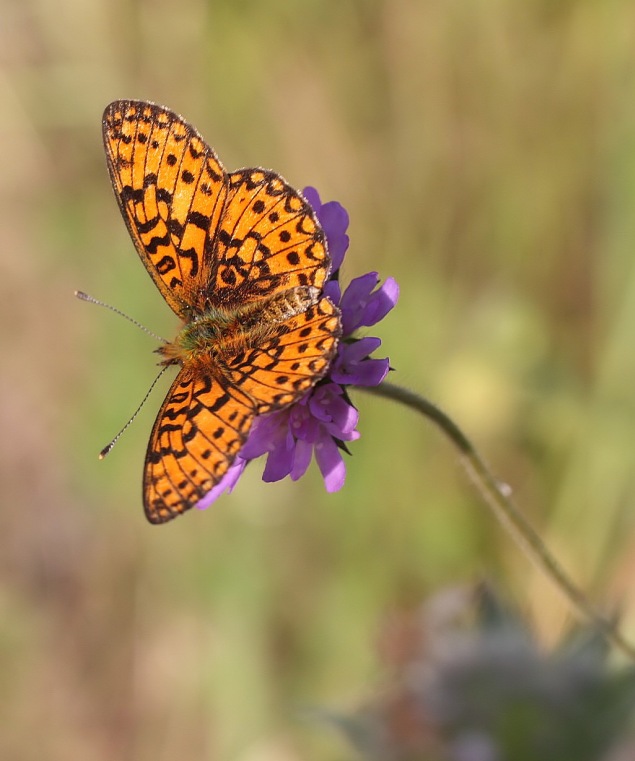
(497, 497)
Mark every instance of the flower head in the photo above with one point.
(324, 419)
(468, 680)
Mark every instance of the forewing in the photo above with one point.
(171, 189)
(198, 432)
(283, 368)
(269, 240)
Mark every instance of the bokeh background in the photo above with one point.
(486, 154)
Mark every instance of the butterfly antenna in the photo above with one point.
(107, 448)
(85, 297)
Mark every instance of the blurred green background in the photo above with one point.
(486, 154)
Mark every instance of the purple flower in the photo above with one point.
(334, 220)
(226, 484)
(323, 420)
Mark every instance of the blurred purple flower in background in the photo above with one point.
(322, 421)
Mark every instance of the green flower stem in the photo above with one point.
(497, 496)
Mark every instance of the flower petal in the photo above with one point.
(302, 459)
(358, 350)
(352, 366)
(227, 483)
(280, 461)
(313, 197)
(354, 300)
(368, 372)
(333, 291)
(328, 405)
(322, 398)
(331, 464)
(302, 425)
(266, 432)
(334, 220)
(381, 302)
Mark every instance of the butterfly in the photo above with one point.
(241, 258)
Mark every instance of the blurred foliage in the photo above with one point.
(467, 682)
(486, 154)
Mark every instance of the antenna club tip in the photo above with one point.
(105, 451)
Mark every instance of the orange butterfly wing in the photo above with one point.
(269, 240)
(281, 370)
(206, 237)
(199, 430)
(171, 189)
